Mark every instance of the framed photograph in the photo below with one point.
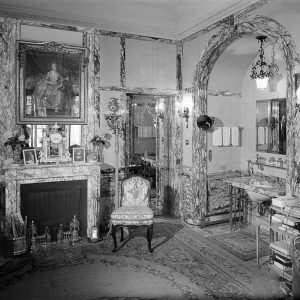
(29, 157)
(78, 155)
(51, 83)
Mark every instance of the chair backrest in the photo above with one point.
(135, 191)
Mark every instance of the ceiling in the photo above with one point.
(173, 19)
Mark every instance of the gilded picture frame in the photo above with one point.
(51, 83)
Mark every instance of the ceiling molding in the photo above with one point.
(110, 25)
(215, 17)
(103, 24)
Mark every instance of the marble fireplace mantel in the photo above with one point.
(15, 176)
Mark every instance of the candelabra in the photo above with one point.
(185, 114)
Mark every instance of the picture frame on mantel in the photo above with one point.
(51, 83)
(79, 155)
(29, 157)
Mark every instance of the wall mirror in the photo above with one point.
(271, 126)
(142, 133)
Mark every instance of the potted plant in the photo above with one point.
(98, 142)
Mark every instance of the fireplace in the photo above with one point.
(56, 185)
(54, 203)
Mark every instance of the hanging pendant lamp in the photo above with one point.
(261, 71)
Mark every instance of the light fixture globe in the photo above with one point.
(205, 122)
(261, 71)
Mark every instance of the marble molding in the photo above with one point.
(96, 47)
(122, 62)
(18, 175)
(216, 45)
(179, 60)
(136, 37)
(229, 21)
(173, 204)
(9, 33)
(162, 156)
(93, 126)
(139, 90)
(217, 93)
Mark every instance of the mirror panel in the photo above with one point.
(271, 126)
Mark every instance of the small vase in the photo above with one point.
(92, 156)
(16, 156)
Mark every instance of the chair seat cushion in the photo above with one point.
(132, 215)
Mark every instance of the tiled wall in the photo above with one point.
(110, 61)
(227, 112)
(150, 64)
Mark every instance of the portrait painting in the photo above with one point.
(51, 83)
(78, 155)
(29, 157)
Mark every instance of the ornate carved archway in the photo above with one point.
(216, 45)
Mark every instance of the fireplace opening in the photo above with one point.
(54, 203)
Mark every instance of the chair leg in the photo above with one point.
(122, 235)
(149, 237)
(113, 232)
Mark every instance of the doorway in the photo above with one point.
(145, 143)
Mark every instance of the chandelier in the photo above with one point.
(261, 71)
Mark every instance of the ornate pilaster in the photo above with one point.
(89, 130)
(122, 62)
(9, 34)
(179, 54)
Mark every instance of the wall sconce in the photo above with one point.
(186, 107)
(159, 110)
(116, 119)
(185, 114)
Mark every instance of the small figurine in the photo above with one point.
(47, 234)
(33, 235)
(60, 233)
(74, 229)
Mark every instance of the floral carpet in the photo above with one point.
(186, 264)
(241, 242)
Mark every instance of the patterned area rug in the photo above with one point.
(241, 243)
(184, 260)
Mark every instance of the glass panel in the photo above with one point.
(271, 126)
(39, 135)
(75, 135)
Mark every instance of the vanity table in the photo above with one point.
(245, 191)
(249, 189)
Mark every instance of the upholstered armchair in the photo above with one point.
(134, 208)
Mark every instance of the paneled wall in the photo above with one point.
(116, 65)
(148, 65)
